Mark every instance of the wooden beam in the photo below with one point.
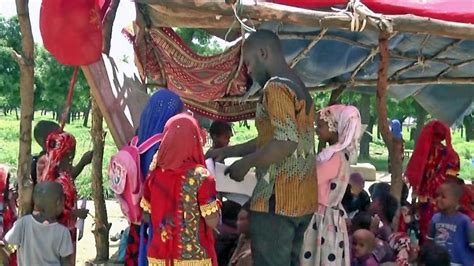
(216, 14)
(412, 81)
(371, 55)
(303, 53)
(454, 66)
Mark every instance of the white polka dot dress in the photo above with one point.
(326, 241)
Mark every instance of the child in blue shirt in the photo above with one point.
(451, 229)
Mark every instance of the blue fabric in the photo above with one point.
(451, 232)
(335, 57)
(396, 129)
(143, 247)
(161, 106)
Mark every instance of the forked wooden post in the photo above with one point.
(393, 145)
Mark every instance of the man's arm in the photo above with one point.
(85, 160)
(274, 152)
(233, 151)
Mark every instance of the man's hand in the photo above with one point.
(238, 169)
(218, 155)
(80, 213)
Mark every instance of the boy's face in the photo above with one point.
(361, 246)
(445, 198)
(243, 222)
(355, 189)
(222, 140)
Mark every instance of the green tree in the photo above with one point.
(10, 39)
(53, 84)
(200, 41)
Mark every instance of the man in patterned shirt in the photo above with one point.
(283, 154)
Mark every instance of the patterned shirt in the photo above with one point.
(291, 184)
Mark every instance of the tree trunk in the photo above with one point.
(469, 126)
(27, 78)
(365, 119)
(392, 144)
(421, 115)
(101, 231)
(86, 114)
(16, 114)
(108, 23)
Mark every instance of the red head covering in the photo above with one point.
(58, 146)
(181, 144)
(431, 135)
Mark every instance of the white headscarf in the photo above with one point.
(345, 120)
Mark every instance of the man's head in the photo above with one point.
(42, 130)
(262, 54)
(448, 195)
(220, 132)
(363, 242)
(48, 198)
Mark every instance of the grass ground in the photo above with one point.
(9, 128)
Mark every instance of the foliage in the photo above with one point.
(200, 41)
(10, 40)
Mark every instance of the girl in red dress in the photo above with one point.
(180, 196)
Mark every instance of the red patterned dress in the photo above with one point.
(178, 200)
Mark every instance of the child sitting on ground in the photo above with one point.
(383, 209)
(358, 200)
(363, 244)
(243, 255)
(40, 239)
(451, 229)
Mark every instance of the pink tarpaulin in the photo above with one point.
(449, 10)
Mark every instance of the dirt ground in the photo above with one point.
(86, 246)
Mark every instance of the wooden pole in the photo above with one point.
(217, 14)
(27, 78)
(393, 145)
(101, 230)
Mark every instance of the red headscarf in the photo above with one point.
(432, 133)
(181, 143)
(58, 146)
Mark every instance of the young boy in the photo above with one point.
(358, 200)
(220, 132)
(243, 255)
(39, 238)
(433, 255)
(363, 244)
(451, 229)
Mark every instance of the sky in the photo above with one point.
(120, 45)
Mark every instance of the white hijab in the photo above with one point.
(345, 120)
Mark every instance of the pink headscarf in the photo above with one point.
(345, 120)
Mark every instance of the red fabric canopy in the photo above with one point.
(72, 30)
(449, 10)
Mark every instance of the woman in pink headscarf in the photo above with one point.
(326, 241)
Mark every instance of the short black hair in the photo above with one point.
(219, 127)
(42, 129)
(230, 211)
(455, 187)
(433, 255)
(377, 189)
(361, 220)
(389, 205)
(45, 194)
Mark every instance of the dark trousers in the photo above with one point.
(276, 239)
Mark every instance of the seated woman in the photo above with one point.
(181, 198)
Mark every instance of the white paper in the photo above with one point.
(225, 184)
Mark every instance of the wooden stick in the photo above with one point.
(413, 65)
(371, 55)
(454, 66)
(303, 53)
(216, 14)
